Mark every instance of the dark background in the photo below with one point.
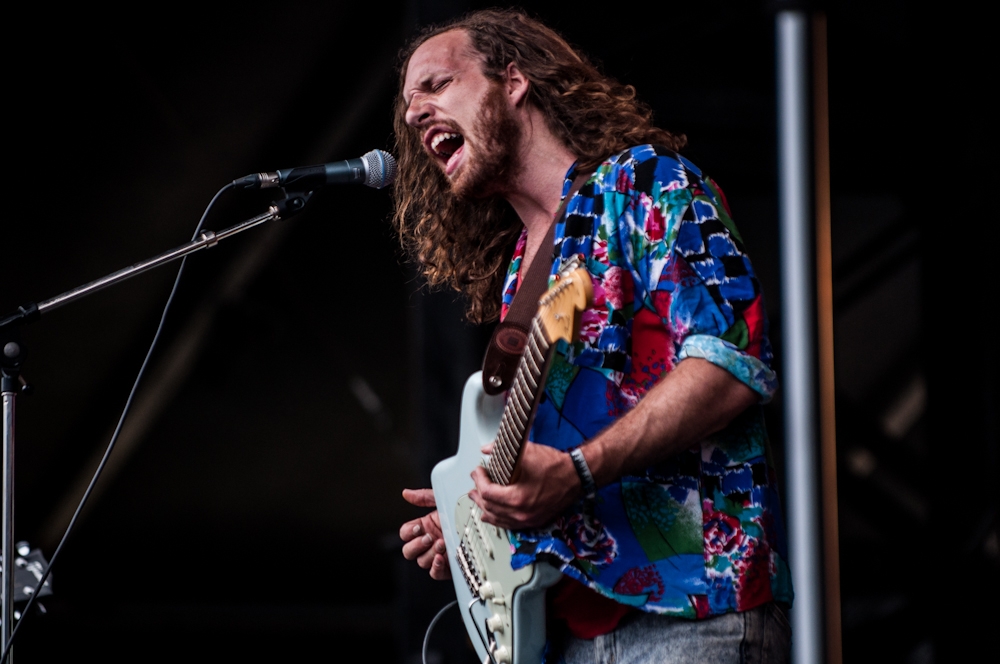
(304, 376)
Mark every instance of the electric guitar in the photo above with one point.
(503, 608)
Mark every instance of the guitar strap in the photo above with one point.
(510, 337)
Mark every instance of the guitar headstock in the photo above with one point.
(560, 308)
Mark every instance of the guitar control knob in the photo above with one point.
(486, 591)
(494, 623)
(501, 655)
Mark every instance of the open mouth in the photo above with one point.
(446, 144)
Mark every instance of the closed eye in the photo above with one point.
(440, 84)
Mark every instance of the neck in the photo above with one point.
(535, 193)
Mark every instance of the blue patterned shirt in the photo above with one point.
(701, 533)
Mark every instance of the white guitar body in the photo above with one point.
(504, 607)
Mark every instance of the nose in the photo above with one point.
(418, 112)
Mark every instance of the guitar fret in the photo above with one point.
(513, 395)
(505, 461)
(509, 444)
(509, 451)
(527, 384)
(525, 410)
(517, 429)
(524, 392)
(539, 337)
(521, 400)
(529, 356)
(501, 463)
(501, 459)
(520, 384)
(499, 447)
(521, 416)
(507, 431)
(512, 439)
(497, 473)
(535, 364)
(525, 397)
(539, 343)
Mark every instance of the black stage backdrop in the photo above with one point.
(305, 377)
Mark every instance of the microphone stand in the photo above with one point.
(12, 355)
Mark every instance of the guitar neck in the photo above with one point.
(519, 411)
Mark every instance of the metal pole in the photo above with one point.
(7, 603)
(798, 333)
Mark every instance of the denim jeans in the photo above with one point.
(759, 635)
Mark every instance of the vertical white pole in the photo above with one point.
(7, 537)
(798, 334)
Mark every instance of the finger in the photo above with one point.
(431, 524)
(476, 498)
(481, 479)
(419, 497)
(490, 494)
(505, 520)
(440, 571)
(427, 558)
(487, 448)
(415, 548)
(487, 515)
(411, 529)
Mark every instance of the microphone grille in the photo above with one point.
(380, 167)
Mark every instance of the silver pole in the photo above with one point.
(798, 334)
(7, 601)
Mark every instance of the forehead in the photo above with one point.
(448, 51)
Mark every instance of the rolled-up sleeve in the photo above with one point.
(747, 369)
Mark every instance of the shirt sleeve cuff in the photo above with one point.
(747, 369)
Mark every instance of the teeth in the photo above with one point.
(441, 137)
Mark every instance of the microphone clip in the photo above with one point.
(292, 202)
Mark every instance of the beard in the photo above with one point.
(492, 165)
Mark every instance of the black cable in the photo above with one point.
(427, 634)
(9, 567)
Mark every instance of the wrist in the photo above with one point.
(583, 473)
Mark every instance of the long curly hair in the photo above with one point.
(466, 244)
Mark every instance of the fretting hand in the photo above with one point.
(546, 486)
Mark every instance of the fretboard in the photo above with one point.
(519, 410)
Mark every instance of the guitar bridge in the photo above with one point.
(469, 570)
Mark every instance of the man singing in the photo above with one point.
(648, 479)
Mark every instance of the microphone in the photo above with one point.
(375, 169)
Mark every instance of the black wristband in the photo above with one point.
(583, 471)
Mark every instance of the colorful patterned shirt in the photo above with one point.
(701, 533)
